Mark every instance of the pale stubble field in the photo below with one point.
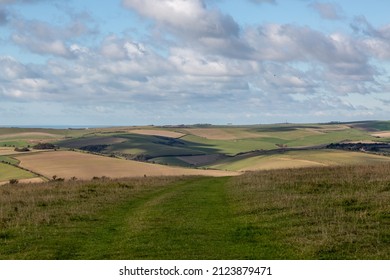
(68, 164)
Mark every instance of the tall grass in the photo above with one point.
(318, 213)
(45, 221)
(313, 213)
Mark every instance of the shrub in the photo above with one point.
(44, 146)
(24, 149)
(13, 181)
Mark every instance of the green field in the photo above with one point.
(9, 160)
(223, 140)
(314, 213)
(217, 147)
(293, 159)
(8, 172)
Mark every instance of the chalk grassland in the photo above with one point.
(67, 164)
(298, 159)
(312, 213)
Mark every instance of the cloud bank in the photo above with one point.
(196, 62)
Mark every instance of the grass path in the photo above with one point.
(187, 219)
(179, 222)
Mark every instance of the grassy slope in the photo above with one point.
(322, 213)
(290, 137)
(332, 137)
(293, 159)
(232, 147)
(325, 213)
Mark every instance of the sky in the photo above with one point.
(161, 62)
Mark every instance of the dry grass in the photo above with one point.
(67, 164)
(54, 202)
(312, 213)
(319, 213)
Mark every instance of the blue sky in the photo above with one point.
(140, 62)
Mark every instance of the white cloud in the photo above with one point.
(375, 41)
(4, 17)
(263, 1)
(329, 11)
(54, 47)
(189, 19)
(207, 66)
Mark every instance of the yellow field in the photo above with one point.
(67, 164)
